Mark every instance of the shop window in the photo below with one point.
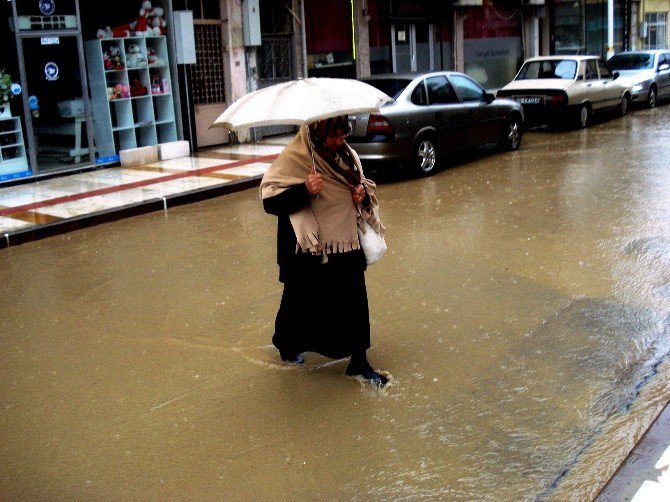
(329, 37)
(207, 74)
(656, 30)
(496, 19)
(275, 55)
(203, 9)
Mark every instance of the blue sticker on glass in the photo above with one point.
(33, 103)
(47, 7)
(16, 89)
(51, 70)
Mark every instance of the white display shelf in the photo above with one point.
(12, 149)
(131, 121)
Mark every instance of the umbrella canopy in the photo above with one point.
(300, 102)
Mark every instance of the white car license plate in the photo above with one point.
(529, 100)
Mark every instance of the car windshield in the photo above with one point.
(631, 62)
(549, 68)
(391, 86)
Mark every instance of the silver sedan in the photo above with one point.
(647, 72)
(433, 114)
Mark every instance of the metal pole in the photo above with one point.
(610, 28)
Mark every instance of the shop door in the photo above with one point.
(209, 92)
(411, 48)
(57, 124)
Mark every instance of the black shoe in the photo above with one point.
(369, 374)
(293, 358)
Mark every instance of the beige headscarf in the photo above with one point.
(329, 223)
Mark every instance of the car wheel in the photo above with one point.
(511, 139)
(426, 156)
(584, 116)
(651, 99)
(623, 106)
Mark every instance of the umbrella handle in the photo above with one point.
(311, 150)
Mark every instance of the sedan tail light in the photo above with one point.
(557, 99)
(378, 125)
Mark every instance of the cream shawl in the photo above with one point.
(329, 223)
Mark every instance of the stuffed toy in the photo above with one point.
(107, 61)
(153, 59)
(124, 90)
(134, 57)
(118, 91)
(121, 31)
(156, 83)
(104, 33)
(158, 24)
(115, 56)
(142, 28)
(137, 89)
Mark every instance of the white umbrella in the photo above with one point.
(300, 102)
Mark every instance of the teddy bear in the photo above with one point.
(142, 27)
(134, 57)
(157, 22)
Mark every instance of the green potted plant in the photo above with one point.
(6, 93)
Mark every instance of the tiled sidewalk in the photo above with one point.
(33, 210)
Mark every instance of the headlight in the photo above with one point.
(638, 86)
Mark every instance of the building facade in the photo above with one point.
(94, 83)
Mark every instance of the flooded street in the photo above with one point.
(522, 311)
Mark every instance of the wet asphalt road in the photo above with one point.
(521, 311)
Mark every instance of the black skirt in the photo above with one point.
(324, 307)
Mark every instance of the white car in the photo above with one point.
(647, 72)
(559, 88)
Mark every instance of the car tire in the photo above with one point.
(622, 109)
(584, 116)
(652, 97)
(511, 139)
(425, 156)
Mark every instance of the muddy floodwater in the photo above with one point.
(522, 312)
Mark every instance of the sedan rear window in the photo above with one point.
(631, 62)
(392, 87)
(550, 68)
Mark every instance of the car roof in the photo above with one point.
(560, 58)
(646, 51)
(409, 76)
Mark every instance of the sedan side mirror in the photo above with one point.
(664, 67)
(615, 75)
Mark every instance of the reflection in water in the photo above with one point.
(522, 312)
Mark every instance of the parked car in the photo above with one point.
(560, 88)
(647, 72)
(433, 114)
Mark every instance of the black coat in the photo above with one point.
(324, 306)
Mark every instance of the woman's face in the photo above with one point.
(335, 141)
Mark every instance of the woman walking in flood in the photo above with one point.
(324, 306)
